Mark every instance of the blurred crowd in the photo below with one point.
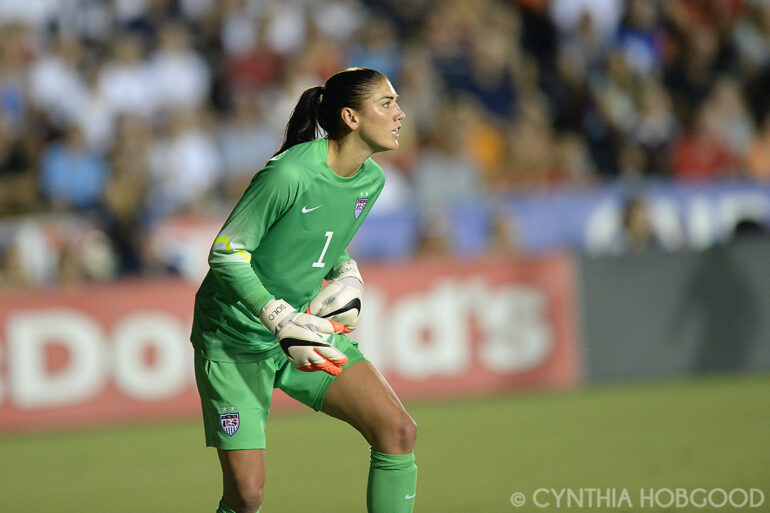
(116, 116)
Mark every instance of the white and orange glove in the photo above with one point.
(340, 299)
(303, 337)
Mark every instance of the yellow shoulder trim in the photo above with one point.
(224, 239)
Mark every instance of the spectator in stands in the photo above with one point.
(240, 28)
(180, 77)
(286, 27)
(502, 235)
(701, 153)
(486, 146)
(125, 81)
(246, 141)
(397, 195)
(378, 47)
(572, 163)
(18, 180)
(56, 85)
(632, 161)
(96, 256)
(95, 115)
(70, 269)
(531, 161)
(12, 271)
(63, 84)
(446, 32)
(613, 115)
(568, 91)
(73, 175)
(279, 100)
(321, 57)
(732, 119)
(338, 20)
(616, 93)
(185, 166)
(751, 38)
(421, 86)
(637, 234)
(691, 73)
(493, 52)
(145, 18)
(28, 253)
(639, 37)
(249, 61)
(15, 52)
(585, 49)
(605, 15)
(758, 156)
(444, 177)
(656, 127)
(126, 193)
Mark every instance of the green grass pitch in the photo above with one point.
(472, 454)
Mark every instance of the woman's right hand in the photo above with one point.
(303, 337)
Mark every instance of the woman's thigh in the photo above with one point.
(363, 398)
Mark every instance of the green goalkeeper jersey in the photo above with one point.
(289, 230)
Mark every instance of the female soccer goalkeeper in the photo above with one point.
(262, 320)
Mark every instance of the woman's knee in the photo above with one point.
(243, 478)
(407, 432)
(246, 497)
(398, 435)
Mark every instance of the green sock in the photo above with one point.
(224, 508)
(392, 483)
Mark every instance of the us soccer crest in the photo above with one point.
(360, 206)
(230, 422)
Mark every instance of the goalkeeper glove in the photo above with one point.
(340, 299)
(299, 335)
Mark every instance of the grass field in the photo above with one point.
(472, 454)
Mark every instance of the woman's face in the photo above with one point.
(380, 118)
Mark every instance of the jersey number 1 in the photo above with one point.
(320, 262)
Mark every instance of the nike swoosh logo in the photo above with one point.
(407, 497)
(305, 210)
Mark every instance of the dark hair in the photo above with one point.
(320, 107)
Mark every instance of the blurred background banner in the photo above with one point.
(98, 354)
(446, 328)
(95, 354)
(660, 315)
(680, 215)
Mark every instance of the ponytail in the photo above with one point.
(319, 107)
(303, 123)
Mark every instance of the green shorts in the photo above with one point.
(235, 397)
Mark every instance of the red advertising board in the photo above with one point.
(449, 327)
(438, 327)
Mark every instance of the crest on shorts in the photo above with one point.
(360, 206)
(230, 422)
